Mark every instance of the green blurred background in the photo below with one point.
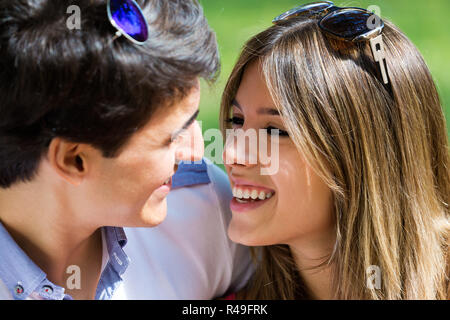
(235, 21)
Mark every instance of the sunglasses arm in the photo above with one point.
(117, 35)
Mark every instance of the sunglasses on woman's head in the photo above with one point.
(127, 17)
(346, 24)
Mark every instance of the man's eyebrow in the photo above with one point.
(268, 111)
(187, 124)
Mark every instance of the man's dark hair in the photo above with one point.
(84, 85)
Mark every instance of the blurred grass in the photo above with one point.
(235, 21)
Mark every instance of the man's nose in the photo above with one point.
(192, 145)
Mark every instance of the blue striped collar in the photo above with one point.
(191, 173)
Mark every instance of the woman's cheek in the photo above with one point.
(291, 181)
(289, 177)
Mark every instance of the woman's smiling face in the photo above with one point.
(297, 204)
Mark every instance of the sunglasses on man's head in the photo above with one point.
(127, 17)
(346, 24)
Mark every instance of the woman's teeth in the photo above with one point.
(167, 181)
(242, 194)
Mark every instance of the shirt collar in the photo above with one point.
(23, 277)
(19, 273)
(115, 241)
(191, 173)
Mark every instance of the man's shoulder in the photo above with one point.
(218, 178)
(201, 184)
(189, 255)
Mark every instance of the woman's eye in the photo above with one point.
(281, 133)
(236, 121)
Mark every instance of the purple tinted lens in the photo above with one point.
(348, 23)
(129, 18)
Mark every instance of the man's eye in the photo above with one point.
(282, 133)
(180, 135)
(236, 121)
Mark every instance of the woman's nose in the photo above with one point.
(241, 148)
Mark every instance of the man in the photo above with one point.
(93, 126)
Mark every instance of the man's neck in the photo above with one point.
(51, 235)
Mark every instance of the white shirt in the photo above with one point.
(188, 256)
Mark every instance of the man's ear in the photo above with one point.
(70, 160)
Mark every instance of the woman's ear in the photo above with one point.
(70, 160)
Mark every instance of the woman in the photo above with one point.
(358, 208)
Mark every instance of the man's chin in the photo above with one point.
(153, 215)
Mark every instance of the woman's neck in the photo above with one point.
(311, 257)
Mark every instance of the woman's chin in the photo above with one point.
(242, 235)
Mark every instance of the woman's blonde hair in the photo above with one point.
(382, 150)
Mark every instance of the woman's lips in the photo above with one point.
(248, 195)
(247, 183)
(237, 206)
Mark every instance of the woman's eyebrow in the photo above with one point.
(268, 111)
(236, 104)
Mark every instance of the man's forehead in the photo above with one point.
(177, 110)
(169, 119)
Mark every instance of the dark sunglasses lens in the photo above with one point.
(347, 24)
(128, 17)
(307, 10)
